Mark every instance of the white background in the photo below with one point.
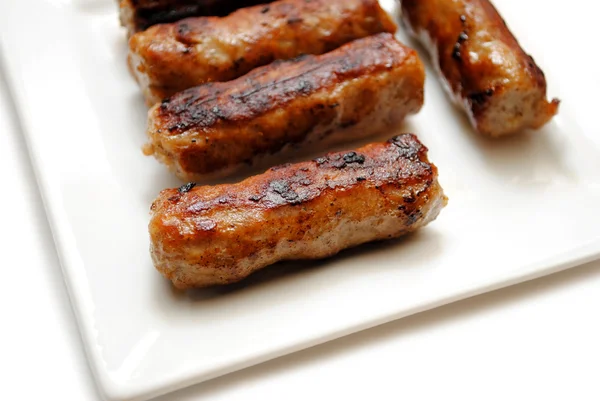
(539, 340)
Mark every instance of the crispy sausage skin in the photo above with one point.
(169, 58)
(499, 85)
(211, 235)
(137, 15)
(287, 108)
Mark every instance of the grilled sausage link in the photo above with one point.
(486, 71)
(211, 235)
(287, 108)
(137, 15)
(171, 57)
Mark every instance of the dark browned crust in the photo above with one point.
(467, 38)
(291, 203)
(276, 85)
(169, 58)
(225, 124)
(400, 161)
(151, 12)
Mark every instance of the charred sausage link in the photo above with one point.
(211, 235)
(486, 71)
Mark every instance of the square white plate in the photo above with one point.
(519, 208)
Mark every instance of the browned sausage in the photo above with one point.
(137, 15)
(287, 108)
(210, 235)
(171, 57)
(485, 68)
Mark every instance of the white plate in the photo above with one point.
(519, 209)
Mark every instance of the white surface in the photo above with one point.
(441, 361)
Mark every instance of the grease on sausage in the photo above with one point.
(286, 108)
(168, 58)
(486, 71)
(210, 235)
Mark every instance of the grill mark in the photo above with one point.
(318, 73)
(301, 183)
(269, 85)
(263, 87)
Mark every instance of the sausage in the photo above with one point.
(169, 58)
(212, 235)
(287, 108)
(137, 15)
(485, 69)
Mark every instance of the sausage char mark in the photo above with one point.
(486, 71)
(287, 108)
(169, 58)
(211, 235)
